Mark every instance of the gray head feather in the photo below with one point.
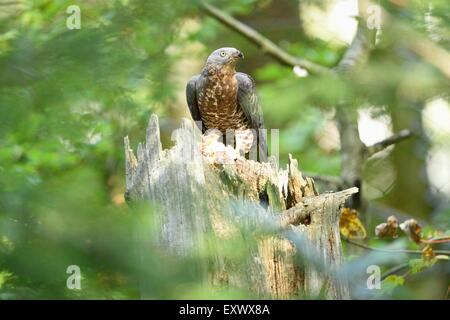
(224, 56)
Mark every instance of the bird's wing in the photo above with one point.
(248, 100)
(191, 97)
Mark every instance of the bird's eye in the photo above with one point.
(222, 53)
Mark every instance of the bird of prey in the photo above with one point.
(221, 98)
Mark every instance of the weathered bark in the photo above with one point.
(278, 212)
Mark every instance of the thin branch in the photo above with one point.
(364, 246)
(433, 53)
(394, 270)
(383, 212)
(266, 45)
(358, 51)
(396, 138)
(437, 240)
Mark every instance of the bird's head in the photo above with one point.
(224, 57)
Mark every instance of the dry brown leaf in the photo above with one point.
(412, 229)
(350, 225)
(388, 228)
(428, 253)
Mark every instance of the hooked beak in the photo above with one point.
(238, 55)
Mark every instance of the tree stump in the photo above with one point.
(294, 246)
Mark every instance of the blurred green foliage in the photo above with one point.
(68, 97)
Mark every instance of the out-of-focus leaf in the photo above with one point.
(428, 253)
(4, 277)
(388, 228)
(390, 283)
(350, 225)
(418, 265)
(412, 230)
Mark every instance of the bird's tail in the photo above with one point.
(263, 151)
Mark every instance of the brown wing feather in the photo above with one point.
(248, 100)
(191, 97)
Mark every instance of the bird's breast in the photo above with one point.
(218, 104)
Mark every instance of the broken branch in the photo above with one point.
(295, 215)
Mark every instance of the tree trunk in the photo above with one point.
(278, 213)
(410, 156)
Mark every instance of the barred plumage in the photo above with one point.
(223, 99)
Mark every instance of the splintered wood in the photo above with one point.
(277, 213)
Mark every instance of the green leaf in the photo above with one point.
(389, 284)
(418, 265)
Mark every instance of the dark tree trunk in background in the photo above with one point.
(410, 194)
(352, 155)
